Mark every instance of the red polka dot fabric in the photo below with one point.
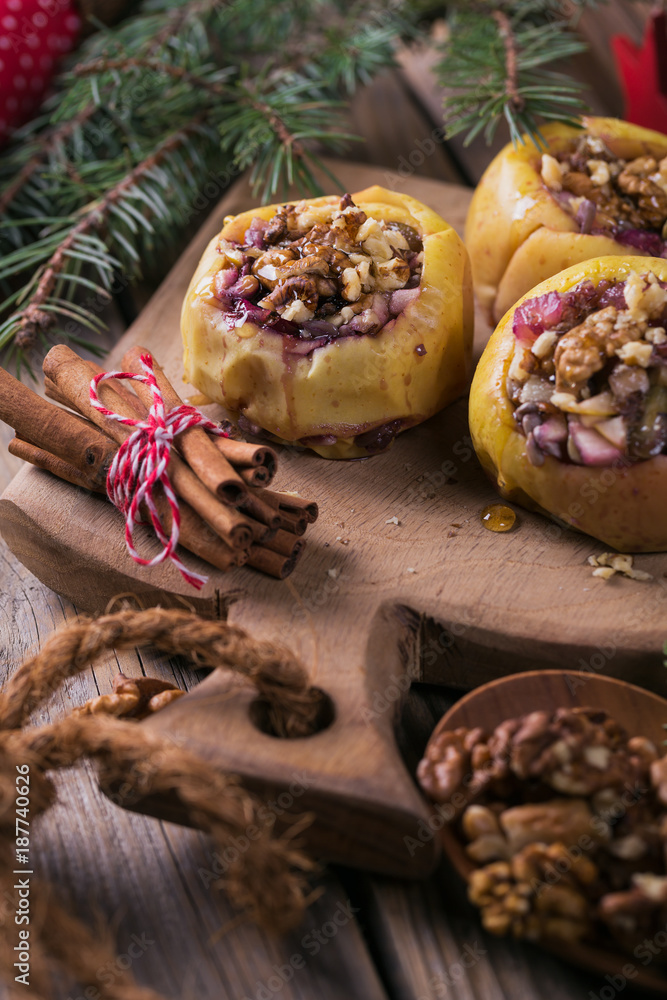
(34, 36)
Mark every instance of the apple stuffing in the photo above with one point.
(568, 406)
(580, 194)
(607, 195)
(332, 323)
(589, 372)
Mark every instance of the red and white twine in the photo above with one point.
(140, 464)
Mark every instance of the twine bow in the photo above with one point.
(141, 463)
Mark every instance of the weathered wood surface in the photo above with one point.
(435, 561)
(148, 878)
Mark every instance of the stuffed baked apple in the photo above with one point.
(593, 192)
(568, 406)
(332, 323)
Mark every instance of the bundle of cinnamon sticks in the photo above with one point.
(228, 515)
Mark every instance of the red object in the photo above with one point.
(141, 463)
(643, 73)
(34, 36)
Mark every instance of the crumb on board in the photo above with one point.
(411, 569)
(392, 520)
(608, 564)
(333, 573)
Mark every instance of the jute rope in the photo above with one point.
(268, 880)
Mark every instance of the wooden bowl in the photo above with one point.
(639, 711)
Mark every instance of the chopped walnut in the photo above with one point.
(582, 351)
(561, 867)
(559, 820)
(623, 194)
(132, 698)
(633, 915)
(651, 198)
(541, 893)
(608, 564)
(448, 761)
(312, 262)
(574, 751)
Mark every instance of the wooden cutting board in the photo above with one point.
(372, 605)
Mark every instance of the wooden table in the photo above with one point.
(366, 938)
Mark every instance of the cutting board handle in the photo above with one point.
(367, 809)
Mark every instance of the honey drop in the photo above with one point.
(498, 517)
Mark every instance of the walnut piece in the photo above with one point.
(132, 698)
(541, 893)
(559, 820)
(574, 751)
(633, 916)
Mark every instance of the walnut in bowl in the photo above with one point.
(558, 823)
(332, 323)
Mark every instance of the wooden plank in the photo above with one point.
(503, 598)
(397, 135)
(151, 881)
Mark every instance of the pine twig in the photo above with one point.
(32, 318)
(157, 65)
(509, 41)
(48, 143)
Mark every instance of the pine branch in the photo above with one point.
(186, 93)
(511, 68)
(98, 66)
(110, 169)
(38, 315)
(47, 144)
(496, 62)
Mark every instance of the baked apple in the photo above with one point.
(332, 323)
(568, 406)
(593, 192)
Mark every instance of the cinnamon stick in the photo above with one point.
(291, 503)
(204, 458)
(260, 511)
(131, 400)
(259, 476)
(283, 542)
(247, 455)
(194, 533)
(292, 522)
(272, 563)
(71, 376)
(63, 434)
(51, 463)
(196, 536)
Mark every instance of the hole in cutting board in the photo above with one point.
(262, 716)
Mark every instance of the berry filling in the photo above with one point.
(315, 273)
(609, 196)
(588, 377)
